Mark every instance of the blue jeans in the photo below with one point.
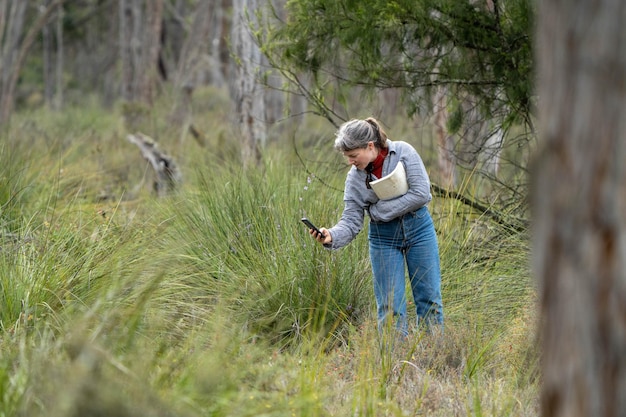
(409, 239)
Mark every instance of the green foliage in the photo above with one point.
(479, 60)
(414, 46)
(13, 188)
(455, 122)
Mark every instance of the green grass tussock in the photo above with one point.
(215, 301)
(244, 242)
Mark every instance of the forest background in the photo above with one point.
(155, 160)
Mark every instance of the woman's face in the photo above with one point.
(361, 157)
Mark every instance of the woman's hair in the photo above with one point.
(357, 133)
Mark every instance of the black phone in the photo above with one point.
(311, 226)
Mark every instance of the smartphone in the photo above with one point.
(311, 225)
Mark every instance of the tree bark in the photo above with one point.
(60, 58)
(194, 49)
(53, 60)
(247, 92)
(48, 77)
(192, 64)
(579, 203)
(140, 42)
(11, 27)
(15, 48)
(125, 13)
(148, 75)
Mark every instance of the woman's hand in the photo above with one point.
(323, 238)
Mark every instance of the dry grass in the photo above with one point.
(430, 375)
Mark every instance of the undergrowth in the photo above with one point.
(216, 301)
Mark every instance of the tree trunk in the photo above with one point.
(48, 76)
(15, 47)
(148, 74)
(445, 143)
(53, 61)
(12, 25)
(579, 202)
(125, 17)
(216, 43)
(221, 51)
(194, 49)
(60, 57)
(140, 42)
(192, 64)
(247, 92)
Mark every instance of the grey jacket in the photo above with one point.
(358, 199)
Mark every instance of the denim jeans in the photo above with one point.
(409, 240)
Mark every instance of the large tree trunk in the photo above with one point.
(579, 201)
(53, 60)
(151, 40)
(247, 92)
(192, 63)
(140, 42)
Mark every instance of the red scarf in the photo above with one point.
(377, 164)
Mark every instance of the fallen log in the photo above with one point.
(167, 175)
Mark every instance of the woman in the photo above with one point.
(401, 230)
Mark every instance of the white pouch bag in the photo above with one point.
(392, 185)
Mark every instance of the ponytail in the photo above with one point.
(379, 133)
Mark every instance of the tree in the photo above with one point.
(246, 92)
(53, 74)
(140, 41)
(579, 202)
(192, 62)
(472, 58)
(15, 46)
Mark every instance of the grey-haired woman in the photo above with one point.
(401, 231)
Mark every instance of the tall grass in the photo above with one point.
(244, 245)
(216, 301)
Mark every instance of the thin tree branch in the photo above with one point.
(519, 225)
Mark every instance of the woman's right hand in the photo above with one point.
(324, 238)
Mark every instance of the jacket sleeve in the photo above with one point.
(348, 227)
